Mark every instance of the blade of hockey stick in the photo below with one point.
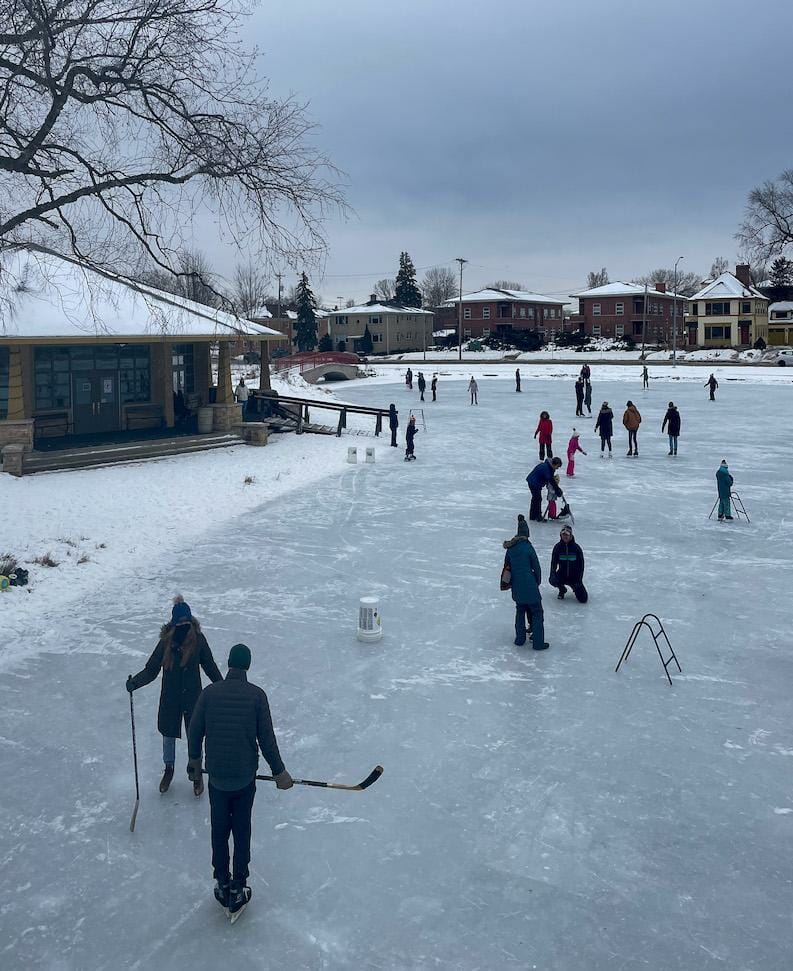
(134, 816)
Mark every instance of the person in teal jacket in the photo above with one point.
(526, 577)
(724, 484)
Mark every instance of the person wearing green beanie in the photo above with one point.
(234, 718)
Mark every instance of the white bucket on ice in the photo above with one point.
(370, 453)
(205, 419)
(352, 455)
(369, 627)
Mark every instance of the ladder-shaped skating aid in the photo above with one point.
(645, 622)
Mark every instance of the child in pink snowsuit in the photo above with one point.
(573, 447)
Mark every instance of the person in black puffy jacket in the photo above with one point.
(234, 717)
(567, 566)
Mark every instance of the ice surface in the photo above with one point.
(536, 810)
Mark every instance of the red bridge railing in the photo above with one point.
(307, 361)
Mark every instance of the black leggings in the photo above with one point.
(603, 442)
(545, 450)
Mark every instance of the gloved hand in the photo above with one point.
(130, 686)
(194, 770)
(283, 780)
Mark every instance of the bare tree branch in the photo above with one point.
(767, 228)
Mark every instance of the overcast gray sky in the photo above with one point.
(537, 138)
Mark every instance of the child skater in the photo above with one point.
(410, 434)
(552, 492)
(573, 446)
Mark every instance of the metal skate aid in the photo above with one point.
(644, 622)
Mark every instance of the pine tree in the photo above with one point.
(306, 329)
(325, 343)
(367, 344)
(782, 272)
(407, 291)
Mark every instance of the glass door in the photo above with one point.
(95, 402)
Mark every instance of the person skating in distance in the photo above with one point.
(724, 483)
(410, 433)
(671, 423)
(567, 566)
(631, 419)
(711, 383)
(233, 716)
(525, 576)
(605, 426)
(179, 653)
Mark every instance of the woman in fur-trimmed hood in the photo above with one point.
(179, 653)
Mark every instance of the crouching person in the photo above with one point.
(567, 566)
(234, 717)
(525, 577)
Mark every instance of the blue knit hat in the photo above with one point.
(240, 657)
(181, 613)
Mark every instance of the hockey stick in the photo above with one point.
(373, 776)
(135, 760)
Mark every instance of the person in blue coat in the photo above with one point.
(540, 476)
(525, 578)
(724, 484)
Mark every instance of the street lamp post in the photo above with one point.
(674, 316)
(461, 261)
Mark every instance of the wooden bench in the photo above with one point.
(52, 425)
(144, 416)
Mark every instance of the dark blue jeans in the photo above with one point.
(533, 611)
(230, 814)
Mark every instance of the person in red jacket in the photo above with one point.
(545, 431)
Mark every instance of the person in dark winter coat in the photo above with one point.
(434, 387)
(517, 379)
(672, 424)
(545, 430)
(724, 483)
(410, 433)
(540, 476)
(631, 419)
(586, 373)
(179, 653)
(711, 383)
(567, 566)
(579, 396)
(605, 425)
(422, 384)
(393, 424)
(525, 579)
(588, 396)
(234, 717)
(645, 377)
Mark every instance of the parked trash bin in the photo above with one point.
(205, 419)
(369, 626)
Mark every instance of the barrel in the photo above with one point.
(205, 417)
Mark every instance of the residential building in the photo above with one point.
(85, 352)
(780, 323)
(727, 312)
(394, 327)
(617, 310)
(499, 313)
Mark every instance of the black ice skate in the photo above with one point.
(165, 782)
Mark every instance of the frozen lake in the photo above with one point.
(537, 810)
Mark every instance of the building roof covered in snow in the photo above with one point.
(494, 295)
(377, 308)
(48, 296)
(621, 289)
(726, 285)
(781, 307)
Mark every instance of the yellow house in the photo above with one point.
(780, 323)
(393, 327)
(727, 312)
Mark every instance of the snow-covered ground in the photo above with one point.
(537, 810)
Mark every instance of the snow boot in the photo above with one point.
(198, 788)
(728, 517)
(541, 647)
(167, 776)
(222, 893)
(518, 642)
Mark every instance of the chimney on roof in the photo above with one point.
(743, 273)
(372, 298)
(660, 287)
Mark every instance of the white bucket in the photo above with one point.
(352, 455)
(370, 454)
(369, 627)
(205, 420)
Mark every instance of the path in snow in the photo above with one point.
(536, 809)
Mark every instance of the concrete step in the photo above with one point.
(79, 458)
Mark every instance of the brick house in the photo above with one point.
(498, 313)
(727, 312)
(617, 310)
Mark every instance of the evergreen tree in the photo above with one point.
(407, 290)
(326, 343)
(306, 329)
(367, 344)
(782, 272)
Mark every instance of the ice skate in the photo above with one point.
(167, 776)
(238, 901)
(222, 894)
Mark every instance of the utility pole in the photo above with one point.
(289, 329)
(462, 262)
(644, 319)
(674, 317)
